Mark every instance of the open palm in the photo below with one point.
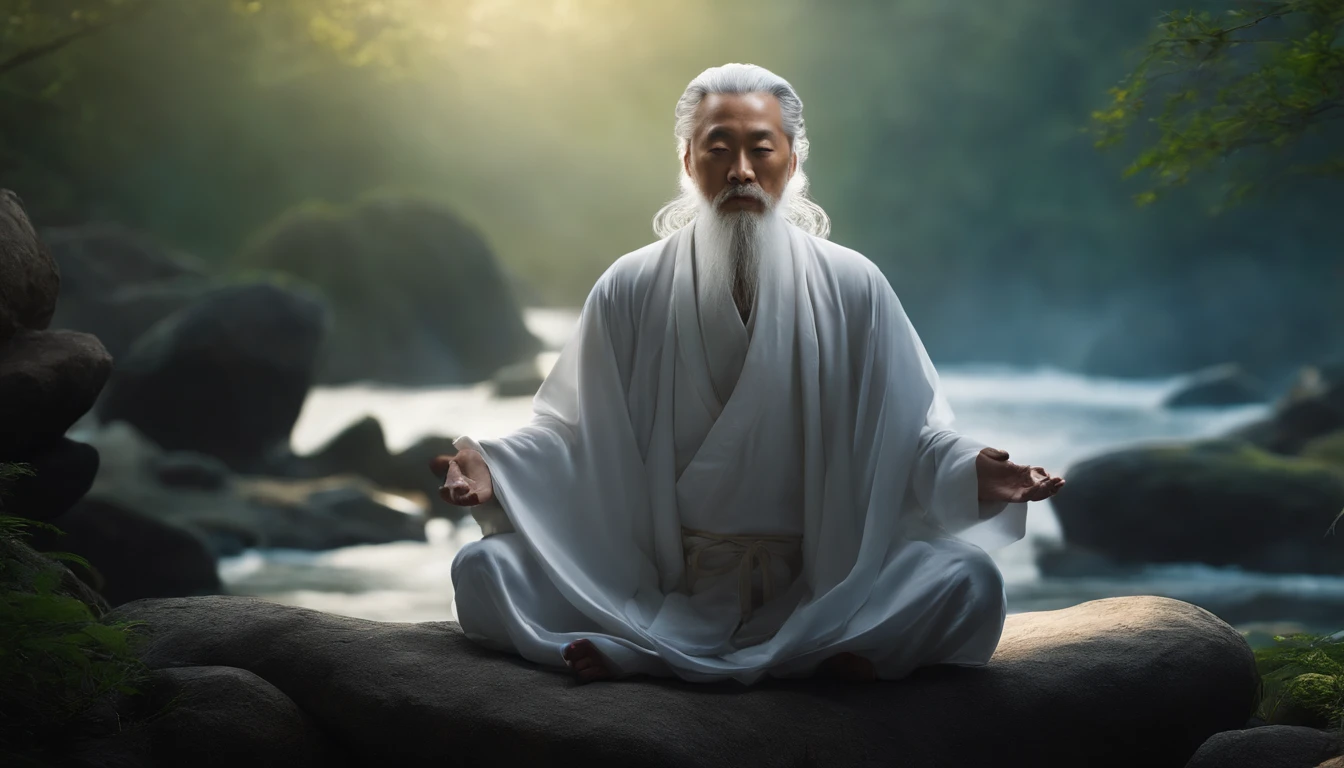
(467, 480)
(1001, 480)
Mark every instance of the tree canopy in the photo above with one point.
(1250, 95)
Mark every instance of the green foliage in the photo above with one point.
(58, 660)
(1303, 678)
(1260, 77)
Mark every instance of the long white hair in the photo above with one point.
(740, 79)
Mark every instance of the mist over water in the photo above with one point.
(1041, 416)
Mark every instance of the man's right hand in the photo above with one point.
(467, 479)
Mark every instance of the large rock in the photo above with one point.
(226, 376)
(1218, 386)
(1119, 682)
(231, 512)
(133, 555)
(361, 450)
(29, 278)
(60, 475)
(48, 380)
(21, 566)
(1314, 408)
(1272, 746)
(417, 293)
(1223, 503)
(117, 283)
(223, 716)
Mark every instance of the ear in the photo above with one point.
(686, 161)
(793, 163)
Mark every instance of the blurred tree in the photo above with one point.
(1260, 83)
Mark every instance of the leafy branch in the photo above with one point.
(1262, 76)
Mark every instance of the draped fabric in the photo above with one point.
(819, 419)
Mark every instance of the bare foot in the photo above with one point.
(586, 661)
(849, 667)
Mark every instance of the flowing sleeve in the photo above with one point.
(942, 478)
(572, 481)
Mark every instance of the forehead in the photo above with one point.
(744, 112)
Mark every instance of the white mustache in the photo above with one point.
(743, 190)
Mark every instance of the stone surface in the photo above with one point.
(244, 511)
(1219, 502)
(133, 555)
(417, 293)
(116, 283)
(1314, 408)
(48, 380)
(1218, 386)
(226, 376)
(518, 380)
(360, 450)
(185, 469)
(61, 474)
(20, 565)
(224, 716)
(29, 277)
(1272, 746)
(1119, 682)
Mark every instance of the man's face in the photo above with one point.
(739, 141)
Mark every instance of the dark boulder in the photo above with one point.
(1065, 688)
(117, 283)
(245, 511)
(417, 294)
(60, 476)
(226, 376)
(1314, 408)
(224, 716)
(48, 380)
(1219, 386)
(29, 277)
(518, 380)
(185, 469)
(1271, 746)
(132, 555)
(1223, 503)
(21, 566)
(326, 514)
(361, 450)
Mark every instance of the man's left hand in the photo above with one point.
(1002, 480)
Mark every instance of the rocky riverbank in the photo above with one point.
(1263, 498)
(1121, 682)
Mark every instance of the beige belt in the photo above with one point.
(746, 553)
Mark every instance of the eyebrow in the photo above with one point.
(720, 132)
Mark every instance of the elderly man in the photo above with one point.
(741, 464)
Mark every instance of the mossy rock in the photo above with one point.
(417, 295)
(1309, 699)
(1327, 449)
(1224, 503)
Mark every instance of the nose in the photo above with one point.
(741, 172)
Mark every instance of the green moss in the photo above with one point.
(58, 660)
(1327, 449)
(1303, 681)
(1237, 455)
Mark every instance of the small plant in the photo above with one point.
(58, 661)
(1303, 677)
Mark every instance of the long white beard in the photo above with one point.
(736, 240)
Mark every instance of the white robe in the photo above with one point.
(821, 418)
